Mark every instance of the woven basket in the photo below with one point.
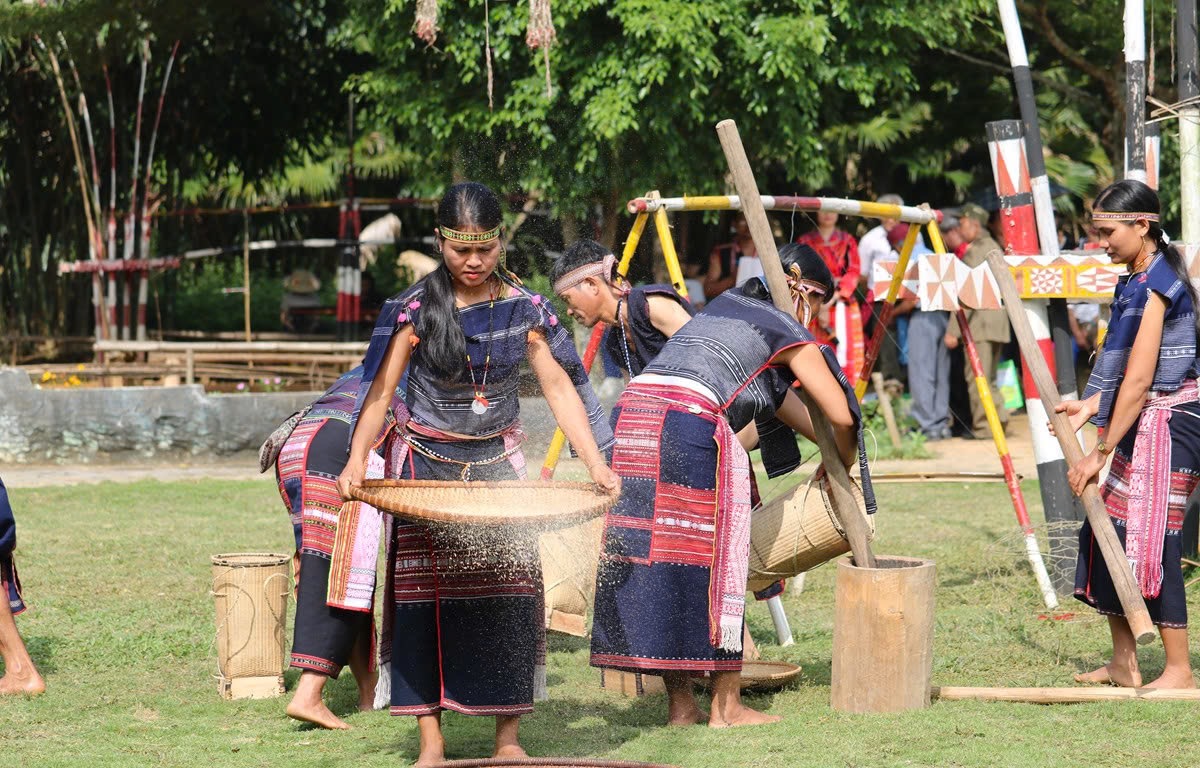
(251, 593)
(761, 675)
(545, 504)
(798, 532)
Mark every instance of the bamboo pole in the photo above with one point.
(844, 506)
(1110, 546)
(1189, 121)
(885, 405)
(844, 206)
(246, 274)
(1064, 695)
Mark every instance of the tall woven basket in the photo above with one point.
(251, 593)
(797, 532)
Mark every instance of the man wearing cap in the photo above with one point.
(951, 237)
(989, 327)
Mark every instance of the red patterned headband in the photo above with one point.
(1123, 216)
(602, 269)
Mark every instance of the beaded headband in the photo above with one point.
(1122, 216)
(601, 269)
(469, 237)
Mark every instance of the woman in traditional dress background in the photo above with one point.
(470, 617)
(328, 635)
(20, 674)
(845, 326)
(670, 592)
(1143, 397)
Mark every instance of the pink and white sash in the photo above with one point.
(1150, 487)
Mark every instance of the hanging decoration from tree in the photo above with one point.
(426, 26)
(541, 34)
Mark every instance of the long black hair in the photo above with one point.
(443, 346)
(1130, 196)
(811, 265)
(577, 254)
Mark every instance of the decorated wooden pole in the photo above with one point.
(1106, 537)
(1135, 90)
(1153, 154)
(844, 506)
(1011, 173)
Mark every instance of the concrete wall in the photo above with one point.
(68, 426)
(132, 423)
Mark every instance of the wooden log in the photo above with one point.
(1064, 695)
(885, 405)
(1102, 527)
(854, 523)
(883, 635)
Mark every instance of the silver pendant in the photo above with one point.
(479, 405)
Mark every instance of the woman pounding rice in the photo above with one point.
(671, 583)
(469, 618)
(1143, 396)
(329, 633)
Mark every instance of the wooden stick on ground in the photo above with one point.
(1064, 695)
(885, 405)
(844, 506)
(1097, 515)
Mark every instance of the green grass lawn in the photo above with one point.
(122, 626)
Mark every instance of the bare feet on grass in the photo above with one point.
(682, 709)
(733, 717)
(509, 751)
(28, 684)
(1112, 674)
(1174, 679)
(366, 693)
(307, 706)
(433, 746)
(316, 713)
(728, 711)
(686, 715)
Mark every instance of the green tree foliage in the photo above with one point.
(638, 86)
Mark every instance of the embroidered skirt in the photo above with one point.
(652, 609)
(1093, 585)
(467, 631)
(308, 467)
(10, 584)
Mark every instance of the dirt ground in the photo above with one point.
(956, 455)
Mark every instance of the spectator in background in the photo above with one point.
(839, 251)
(951, 237)
(298, 307)
(989, 327)
(995, 226)
(928, 359)
(874, 246)
(733, 263)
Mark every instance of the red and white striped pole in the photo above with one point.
(143, 291)
(1011, 173)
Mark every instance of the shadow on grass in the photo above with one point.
(42, 649)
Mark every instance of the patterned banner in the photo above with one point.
(943, 282)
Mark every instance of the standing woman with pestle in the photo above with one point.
(467, 621)
(1143, 397)
(671, 584)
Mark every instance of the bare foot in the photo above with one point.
(1112, 675)
(510, 750)
(366, 694)
(1174, 679)
(741, 716)
(687, 716)
(434, 754)
(25, 685)
(317, 714)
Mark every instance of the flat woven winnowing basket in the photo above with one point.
(542, 503)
